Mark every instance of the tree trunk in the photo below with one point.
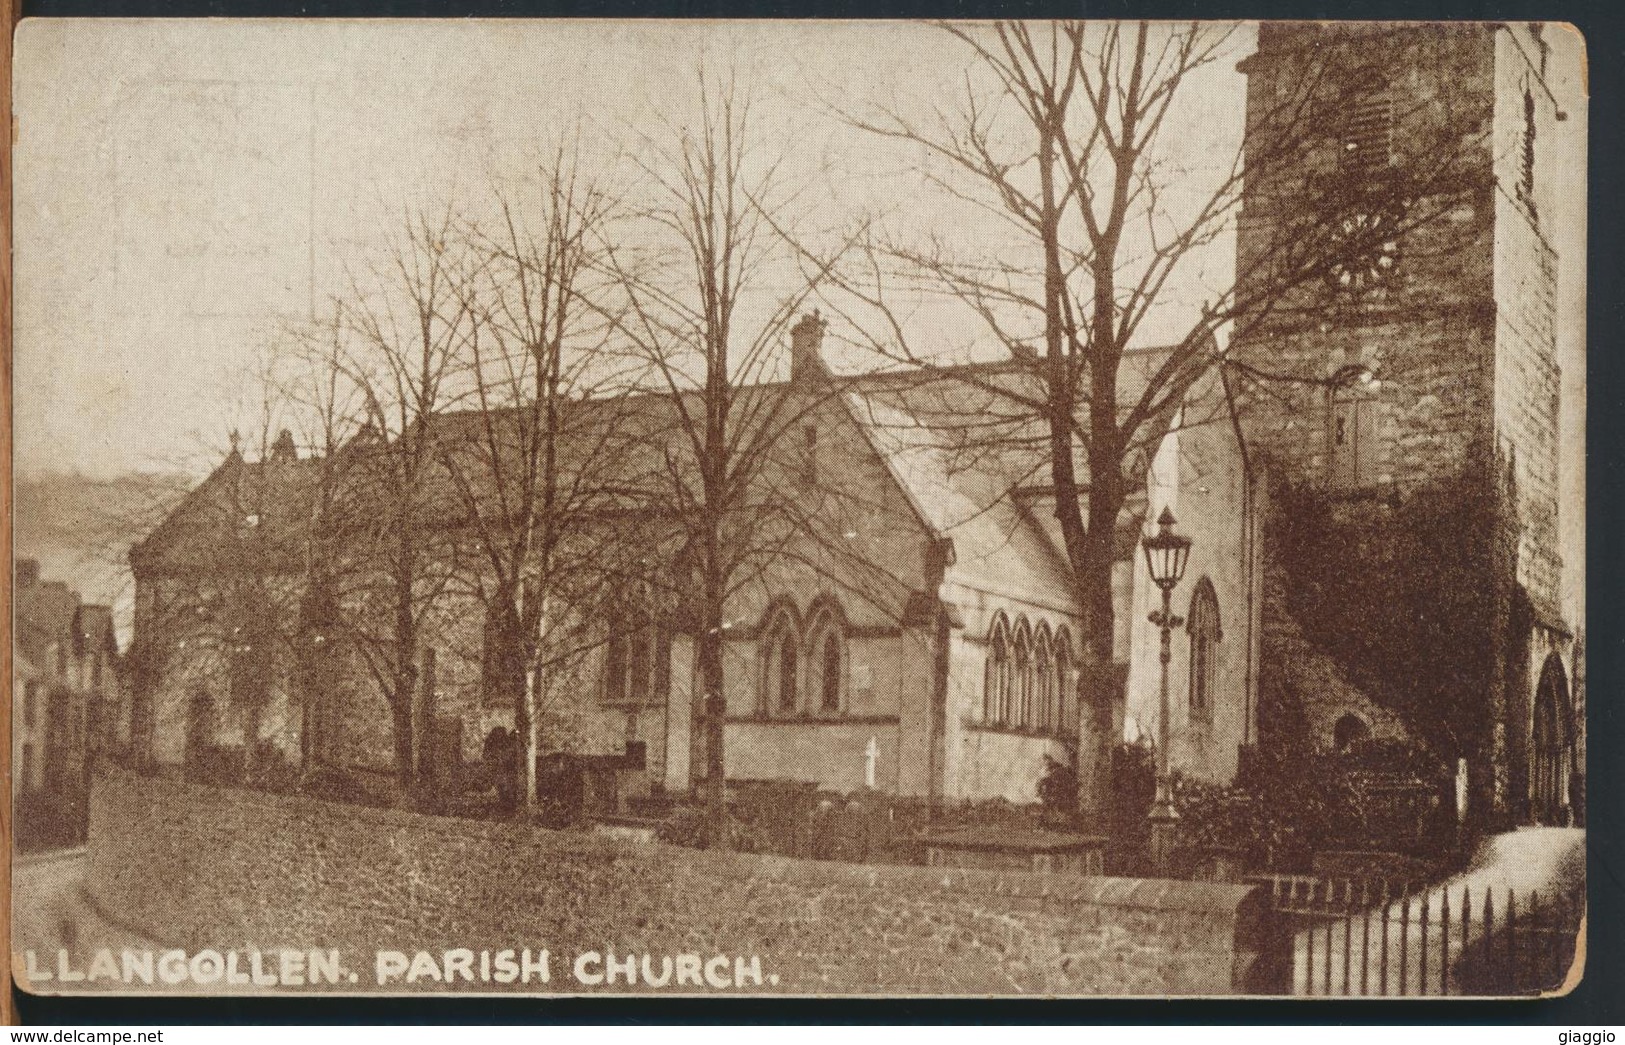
(1093, 575)
(525, 735)
(400, 707)
(307, 730)
(424, 732)
(714, 709)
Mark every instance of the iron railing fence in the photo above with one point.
(1369, 937)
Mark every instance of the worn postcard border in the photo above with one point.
(974, 855)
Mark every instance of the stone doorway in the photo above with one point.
(1551, 746)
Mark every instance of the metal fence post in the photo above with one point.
(1328, 907)
(1348, 932)
(1422, 957)
(1538, 937)
(1365, 937)
(1512, 938)
(1404, 936)
(1382, 969)
(1444, 942)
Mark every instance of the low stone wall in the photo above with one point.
(198, 867)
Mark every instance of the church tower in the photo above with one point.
(1403, 396)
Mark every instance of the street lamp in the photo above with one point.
(1165, 556)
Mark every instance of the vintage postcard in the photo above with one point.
(784, 508)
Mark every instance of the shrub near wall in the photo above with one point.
(191, 866)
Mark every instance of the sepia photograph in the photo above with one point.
(790, 508)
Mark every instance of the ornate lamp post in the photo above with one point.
(1166, 554)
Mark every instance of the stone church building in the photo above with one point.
(936, 654)
(1428, 451)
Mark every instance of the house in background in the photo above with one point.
(66, 700)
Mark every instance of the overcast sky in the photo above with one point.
(184, 190)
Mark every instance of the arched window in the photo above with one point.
(1020, 711)
(826, 652)
(996, 681)
(1552, 740)
(829, 681)
(1064, 684)
(1203, 623)
(781, 665)
(639, 658)
(1352, 429)
(615, 664)
(636, 658)
(1043, 681)
(1349, 732)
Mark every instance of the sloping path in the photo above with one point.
(50, 913)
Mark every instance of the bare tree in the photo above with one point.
(702, 314)
(532, 463)
(1060, 142)
(325, 410)
(407, 326)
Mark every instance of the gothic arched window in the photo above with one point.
(1043, 681)
(1020, 711)
(826, 650)
(636, 657)
(1061, 714)
(996, 681)
(829, 674)
(1203, 623)
(781, 666)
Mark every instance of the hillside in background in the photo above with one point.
(81, 528)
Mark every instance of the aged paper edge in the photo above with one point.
(8, 1013)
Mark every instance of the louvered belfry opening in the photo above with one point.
(1366, 140)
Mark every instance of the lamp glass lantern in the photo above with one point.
(1166, 552)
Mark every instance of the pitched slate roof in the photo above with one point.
(965, 498)
(267, 499)
(50, 611)
(962, 443)
(969, 446)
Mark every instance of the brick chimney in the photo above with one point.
(806, 342)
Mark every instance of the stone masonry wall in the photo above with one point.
(1310, 678)
(1427, 334)
(190, 866)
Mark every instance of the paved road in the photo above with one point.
(49, 911)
